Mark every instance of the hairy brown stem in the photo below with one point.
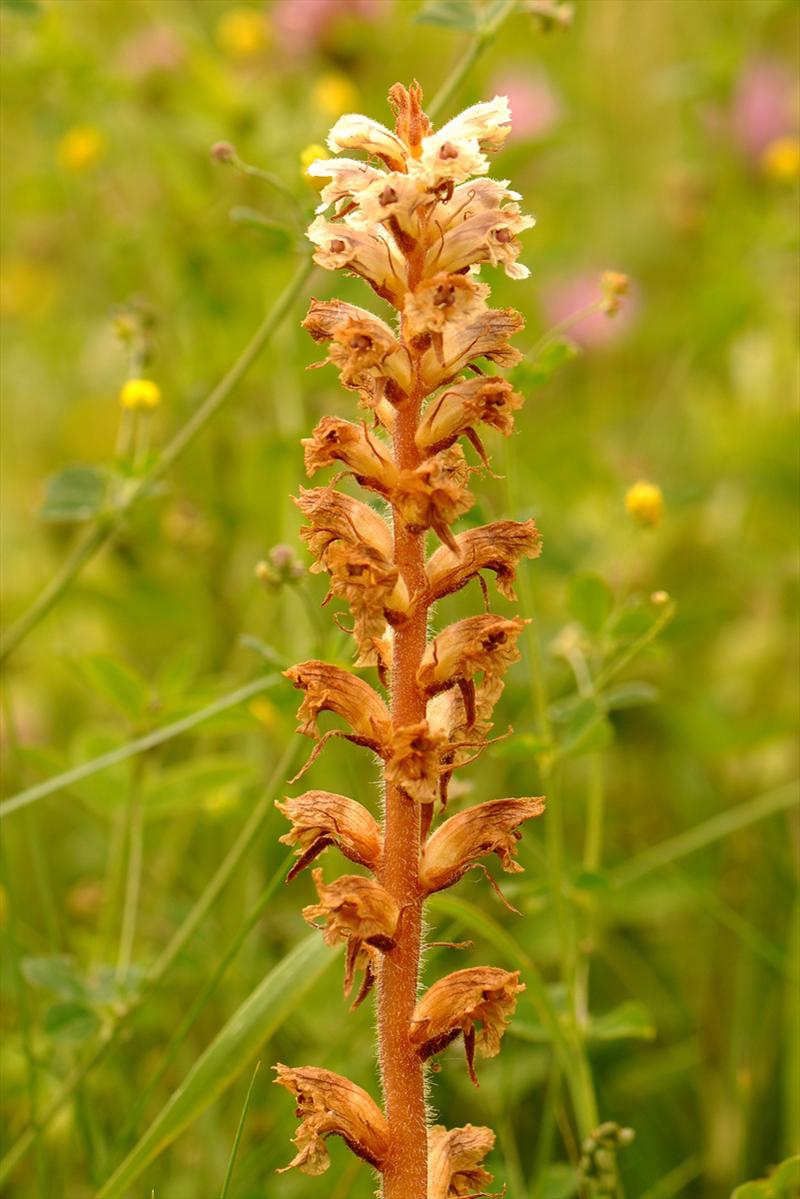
(406, 1169)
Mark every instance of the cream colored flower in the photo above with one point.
(371, 253)
(320, 819)
(356, 132)
(452, 1007)
(337, 440)
(455, 1161)
(330, 1105)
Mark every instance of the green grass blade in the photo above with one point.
(235, 1147)
(261, 1014)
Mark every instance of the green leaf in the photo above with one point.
(76, 493)
(630, 695)
(783, 1183)
(115, 682)
(264, 1011)
(590, 601)
(452, 14)
(56, 974)
(560, 1181)
(628, 1021)
(72, 1023)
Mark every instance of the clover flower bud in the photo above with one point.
(455, 1160)
(645, 503)
(484, 995)
(81, 148)
(614, 286)
(360, 913)
(320, 819)
(457, 845)
(140, 393)
(330, 1105)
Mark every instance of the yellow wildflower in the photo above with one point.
(334, 94)
(645, 503)
(780, 161)
(140, 393)
(311, 154)
(242, 34)
(81, 147)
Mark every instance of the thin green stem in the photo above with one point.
(477, 44)
(238, 1137)
(61, 781)
(133, 879)
(105, 529)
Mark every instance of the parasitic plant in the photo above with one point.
(415, 217)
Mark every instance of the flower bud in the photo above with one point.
(223, 152)
(140, 393)
(457, 845)
(455, 1160)
(484, 995)
(330, 1105)
(645, 503)
(320, 819)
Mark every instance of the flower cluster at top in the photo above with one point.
(416, 218)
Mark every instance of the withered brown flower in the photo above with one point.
(434, 494)
(478, 645)
(370, 358)
(484, 995)
(330, 1105)
(484, 829)
(455, 1161)
(331, 689)
(337, 440)
(357, 911)
(320, 819)
(497, 547)
(412, 763)
(461, 407)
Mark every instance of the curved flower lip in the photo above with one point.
(359, 912)
(461, 407)
(455, 1161)
(330, 1105)
(458, 844)
(486, 236)
(485, 337)
(488, 121)
(498, 547)
(356, 132)
(335, 516)
(370, 358)
(320, 819)
(450, 1008)
(371, 253)
(338, 440)
(478, 644)
(332, 689)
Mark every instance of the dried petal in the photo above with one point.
(464, 728)
(359, 912)
(335, 516)
(480, 644)
(462, 406)
(320, 819)
(370, 358)
(412, 764)
(472, 834)
(330, 1105)
(337, 440)
(452, 1006)
(332, 689)
(434, 494)
(498, 547)
(455, 1161)
(443, 301)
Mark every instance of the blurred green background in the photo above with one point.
(656, 137)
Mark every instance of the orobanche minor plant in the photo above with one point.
(416, 219)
